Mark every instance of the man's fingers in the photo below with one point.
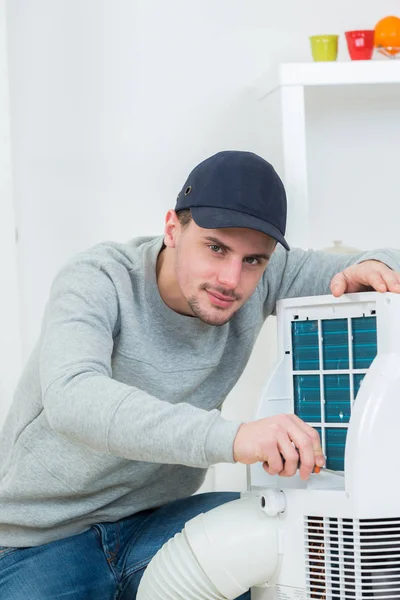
(290, 455)
(273, 463)
(363, 276)
(392, 281)
(315, 439)
(307, 443)
(376, 281)
(338, 284)
(281, 444)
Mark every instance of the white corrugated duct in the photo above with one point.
(218, 555)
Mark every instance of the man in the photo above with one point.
(116, 417)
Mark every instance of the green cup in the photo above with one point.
(324, 47)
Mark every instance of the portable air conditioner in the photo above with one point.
(339, 370)
(337, 535)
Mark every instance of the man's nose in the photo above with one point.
(229, 274)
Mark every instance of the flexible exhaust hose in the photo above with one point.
(219, 555)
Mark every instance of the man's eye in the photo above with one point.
(250, 260)
(215, 248)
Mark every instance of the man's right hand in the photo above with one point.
(283, 444)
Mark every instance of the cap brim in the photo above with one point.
(221, 218)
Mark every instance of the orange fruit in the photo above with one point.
(387, 35)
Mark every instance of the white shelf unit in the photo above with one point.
(332, 130)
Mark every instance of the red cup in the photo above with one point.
(360, 44)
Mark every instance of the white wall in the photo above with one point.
(114, 101)
(9, 321)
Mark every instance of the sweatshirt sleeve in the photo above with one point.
(82, 401)
(300, 273)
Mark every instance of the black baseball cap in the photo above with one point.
(236, 189)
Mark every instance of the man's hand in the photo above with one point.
(364, 276)
(282, 443)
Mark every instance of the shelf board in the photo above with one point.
(329, 73)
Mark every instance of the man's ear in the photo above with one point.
(172, 229)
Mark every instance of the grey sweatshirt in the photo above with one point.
(118, 408)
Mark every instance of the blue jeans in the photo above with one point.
(104, 563)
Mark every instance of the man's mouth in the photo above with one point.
(220, 300)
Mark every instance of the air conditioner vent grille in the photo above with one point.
(352, 559)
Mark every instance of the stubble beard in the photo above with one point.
(201, 314)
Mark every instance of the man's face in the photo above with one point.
(217, 270)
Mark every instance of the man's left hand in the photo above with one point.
(367, 275)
